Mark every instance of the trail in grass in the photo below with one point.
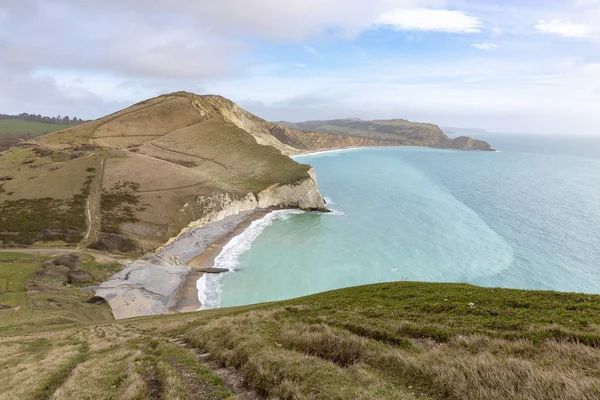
(93, 204)
(232, 380)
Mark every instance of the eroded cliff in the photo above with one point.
(204, 210)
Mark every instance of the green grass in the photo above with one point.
(408, 340)
(15, 271)
(402, 340)
(20, 126)
(40, 297)
(244, 164)
(179, 373)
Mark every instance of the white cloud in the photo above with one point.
(300, 65)
(543, 95)
(587, 3)
(564, 28)
(485, 46)
(422, 19)
(282, 20)
(312, 51)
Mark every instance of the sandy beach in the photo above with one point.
(187, 299)
(165, 282)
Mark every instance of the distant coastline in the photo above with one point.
(456, 131)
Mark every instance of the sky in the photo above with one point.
(503, 65)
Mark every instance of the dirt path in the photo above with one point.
(64, 162)
(233, 381)
(93, 205)
(172, 188)
(102, 258)
(186, 154)
(115, 117)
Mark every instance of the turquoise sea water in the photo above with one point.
(525, 217)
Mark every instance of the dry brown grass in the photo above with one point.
(32, 360)
(158, 117)
(299, 360)
(233, 156)
(59, 181)
(150, 173)
(126, 142)
(102, 362)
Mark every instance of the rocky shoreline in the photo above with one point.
(162, 283)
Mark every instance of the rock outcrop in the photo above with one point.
(465, 143)
(145, 287)
(303, 194)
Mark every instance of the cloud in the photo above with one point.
(290, 20)
(300, 65)
(430, 20)
(43, 94)
(547, 93)
(312, 51)
(92, 57)
(485, 46)
(564, 28)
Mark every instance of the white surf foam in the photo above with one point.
(201, 284)
(336, 212)
(209, 286)
(315, 153)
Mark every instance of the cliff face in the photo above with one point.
(204, 210)
(303, 194)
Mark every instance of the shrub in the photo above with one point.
(67, 260)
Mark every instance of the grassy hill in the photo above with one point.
(402, 340)
(136, 170)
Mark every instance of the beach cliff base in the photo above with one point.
(165, 282)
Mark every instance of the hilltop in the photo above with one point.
(394, 132)
(403, 340)
(134, 179)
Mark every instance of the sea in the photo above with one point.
(526, 217)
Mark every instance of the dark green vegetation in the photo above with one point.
(117, 206)
(388, 341)
(26, 221)
(394, 131)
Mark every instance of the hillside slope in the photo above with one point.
(132, 180)
(398, 132)
(395, 341)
